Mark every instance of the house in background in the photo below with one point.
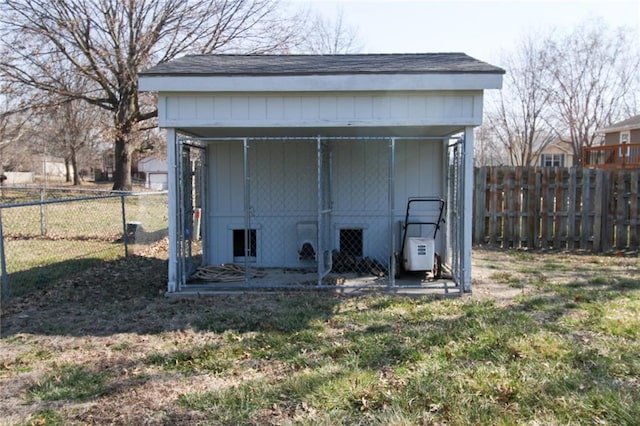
(153, 171)
(620, 147)
(557, 154)
(300, 157)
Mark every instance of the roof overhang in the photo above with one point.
(322, 83)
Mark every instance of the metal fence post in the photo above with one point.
(43, 226)
(125, 237)
(4, 278)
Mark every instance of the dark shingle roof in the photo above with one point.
(265, 65)
(629, 122)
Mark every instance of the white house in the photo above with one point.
(306, 156)
(155, 172)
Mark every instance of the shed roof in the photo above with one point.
(278, 65)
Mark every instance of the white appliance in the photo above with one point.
(418, 254)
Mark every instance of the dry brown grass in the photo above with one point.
(110, 318)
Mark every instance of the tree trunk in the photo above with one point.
(122, 172)
(74, 166)
(67, 170)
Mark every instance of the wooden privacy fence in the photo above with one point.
(557, 208)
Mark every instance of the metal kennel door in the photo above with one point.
(325, 210)
(188, 160)
(455, 222)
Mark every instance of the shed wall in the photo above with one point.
(283, 187)
(320, 110)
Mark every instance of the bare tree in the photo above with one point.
(108, 42)
(328, 36)
(594, 72)
(71, 128)
(488, 149)
(13, 119)
(519, 119)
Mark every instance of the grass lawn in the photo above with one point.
(544, 339)
(45, 243)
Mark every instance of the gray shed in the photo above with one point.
(308, 162)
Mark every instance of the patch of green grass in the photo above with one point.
(45, 417)
(556, 265)
(382, 360)
(509, 278)
(122, 346)
(68, 383)
(24, 362)
(520, 255)
(207, 358)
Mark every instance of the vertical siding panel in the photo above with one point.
(363, 107)
(345, 107)
(398, 107)
(257, 108)
(222, 108)
(328, 107)
(380, 106)
(187, 107)
(204, 108)
(275, 108)
(239, 108)
(310, 108)
(416, 106)
(293, 107)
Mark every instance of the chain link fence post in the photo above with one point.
(43, 225)
(4, 278)
(125, 236)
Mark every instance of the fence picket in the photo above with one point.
(585, 208)
(634, 211)
(621, 197)
(481, 195)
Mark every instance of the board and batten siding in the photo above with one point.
(320, 110)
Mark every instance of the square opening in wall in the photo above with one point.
(239, 248)
(351, 243)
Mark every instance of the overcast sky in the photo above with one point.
(482, 29)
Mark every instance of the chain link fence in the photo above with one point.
(49, 233)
